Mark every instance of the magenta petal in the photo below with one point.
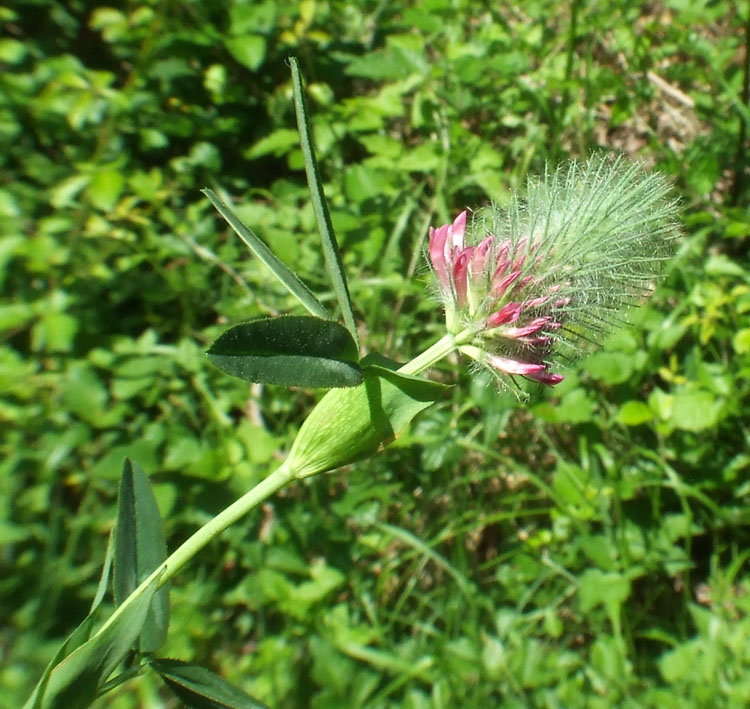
(546, 378)
(534, 326)
(457, 230)
(509, 313)
(480, 256)
(437, 255)
(501, 285)
(537, 372)
(536, 302)
(444, 242)
(513, 366)
(520, 259)
(503, 251)
(502, 267)
(460, 267)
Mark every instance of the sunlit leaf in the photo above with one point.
(330, 247)
(287, 277)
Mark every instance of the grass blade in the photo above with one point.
(288, 278)
(330, 247)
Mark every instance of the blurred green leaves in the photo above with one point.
(116, 275)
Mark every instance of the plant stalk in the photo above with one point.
(432, 355)
(281, 477)
(227, 517)
(209, 531)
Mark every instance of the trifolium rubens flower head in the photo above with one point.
(523, 286)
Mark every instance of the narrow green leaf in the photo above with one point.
(288, 278)
(330, 246)
(140, 548)
(75, 681)
(295, 350)
(101, 589)
(81, 634)
(351, 424)
(77, 638)
(199, 688)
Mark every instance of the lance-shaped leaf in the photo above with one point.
(140, 548)
(286, 276)
(77, 638)
(199, 688)
(75, 681)
(350, 424)
(330, 246)
(81, 634)
(294, 350)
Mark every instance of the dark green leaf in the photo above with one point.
(139, 549)
(290, 351)
(199, 688)
(330, 247)
(77, 638)
(288, 278)
(81, 634)
(75, 681)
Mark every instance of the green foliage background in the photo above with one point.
(588, 550)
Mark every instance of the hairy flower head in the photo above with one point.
(522, 286)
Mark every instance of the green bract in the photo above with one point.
(350, 424)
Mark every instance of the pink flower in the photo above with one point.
(487, 287)
(555, 268)
(445, 242)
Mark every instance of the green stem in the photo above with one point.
(227, 517)
(432, 355)
(281, 477)
(209, 531)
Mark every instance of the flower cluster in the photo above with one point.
(521, 287)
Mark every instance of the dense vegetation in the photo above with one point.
(587, 549)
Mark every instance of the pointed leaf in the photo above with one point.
(140, 548)
(330, 247)
(75, 681)
(290, 351)
(350, 424)
(288, 278)
(101, 589)
(198, 688)
(81, 634)
(77, 638)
